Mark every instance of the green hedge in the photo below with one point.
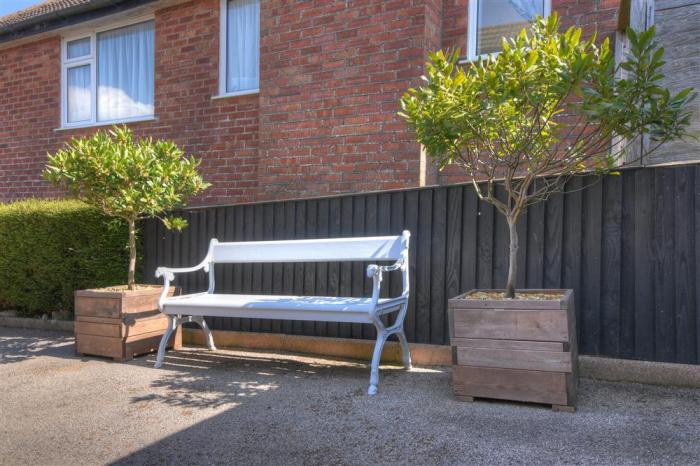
(49, 249)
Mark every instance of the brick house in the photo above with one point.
(280, 99)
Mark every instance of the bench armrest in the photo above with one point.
(168, 274)
(373, 269)
(375, 272)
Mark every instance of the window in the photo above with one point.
(240, 47)
(491, 20)
(108, 76)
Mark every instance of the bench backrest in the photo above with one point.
(374, 248)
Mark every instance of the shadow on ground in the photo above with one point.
(242, 407)
(296, 410)
(17, 346)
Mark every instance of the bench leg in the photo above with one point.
(374, 372)
(207, 332)
(382, 334)
(405, 351)
(172, 325)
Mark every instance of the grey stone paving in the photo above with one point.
(235, 407)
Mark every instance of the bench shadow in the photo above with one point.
(266, 400)
(198, 378)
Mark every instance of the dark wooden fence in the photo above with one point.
(629, 246)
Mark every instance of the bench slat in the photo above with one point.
(321, 308)
(380, 248)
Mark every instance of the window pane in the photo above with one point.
(79, 99)
(125, 69)
(503, 18)
(243, 45)
(78, 48)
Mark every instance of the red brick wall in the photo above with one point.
(332, 73)
(29, 112)
(222, 132)
(325, 121)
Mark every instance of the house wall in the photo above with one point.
(325, 120)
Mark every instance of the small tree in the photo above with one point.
(545, 109)
(132, 180)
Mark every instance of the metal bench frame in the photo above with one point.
(324, 250)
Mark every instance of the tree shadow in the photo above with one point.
(17, 345)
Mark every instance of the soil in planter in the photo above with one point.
(523, 295)
(120, 288)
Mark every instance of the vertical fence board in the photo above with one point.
(321, 285)
(644, 264)
(553, 237)
(665, 324)
(423, 262)
(411, 219)
(309, 328)
(610, 272)
(453, 244)
(334, 216)
(469, 247)
(696, 198)
(590, 268)
(534, 273)
(397, 224)
(437, 266)
(685, 268)
(357, 269)
(346, 219)
(484, 248)
(627, 267)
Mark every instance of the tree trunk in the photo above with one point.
(513, 259)
(131, 279)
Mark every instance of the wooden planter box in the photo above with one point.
(515, 349)
(120, 324)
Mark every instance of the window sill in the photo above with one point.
(106, 123)
(235, 94)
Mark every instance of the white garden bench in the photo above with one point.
(193, 307)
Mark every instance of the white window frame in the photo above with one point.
(223, 65)
(472, 28)
(91, 60)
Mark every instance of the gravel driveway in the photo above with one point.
(235, 407)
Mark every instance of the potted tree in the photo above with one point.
(549, 107)
(131, 180)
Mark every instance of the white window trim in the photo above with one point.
(91, 60)
(223, 40)
(472, 20)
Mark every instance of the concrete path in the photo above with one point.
(235, 407)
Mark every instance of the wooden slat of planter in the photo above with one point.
(463, 301)
(548, 361)
(100, 329)
(97, 320)
(157, 323)
(510, 344)
(97, 307)
(511, 384)
(103, 346)
(542, 325)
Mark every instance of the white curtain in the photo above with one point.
(78, 48)
(125, 72)
(528, 9)
(243, 45)
(79, 94)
